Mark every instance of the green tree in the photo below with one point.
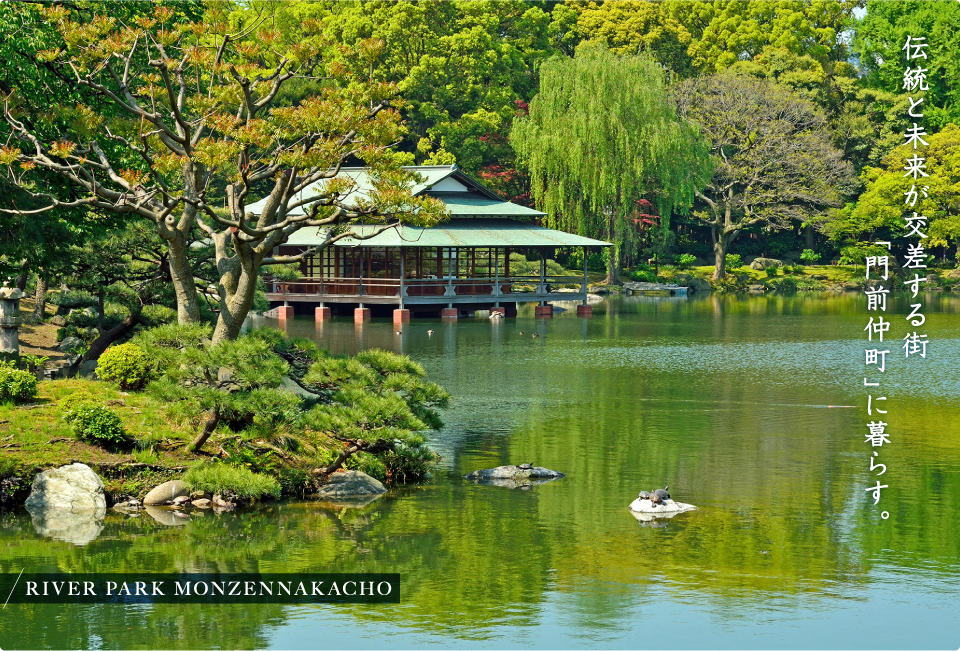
(197, 100)
(601, 136)
(866, 123)
(881, 206)
(726, 32)
(774, 158)
(234, 382)
(708, 36)
(127, 267)
(460, 66)
(879, 40)
(634, 26)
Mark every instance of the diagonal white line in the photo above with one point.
(12, 589)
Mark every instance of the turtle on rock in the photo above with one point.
(644, 495)
(658, 496)
(526, 466)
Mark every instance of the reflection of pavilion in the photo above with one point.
(458, 266)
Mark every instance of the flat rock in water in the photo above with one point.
(667, 508)
(513, 476)
(166, 492)
(351, 484)
(74, 488)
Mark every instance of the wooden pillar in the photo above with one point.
(584, 275)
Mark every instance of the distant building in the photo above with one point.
(454, 268)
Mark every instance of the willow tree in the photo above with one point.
(601, 135)
(184, 130)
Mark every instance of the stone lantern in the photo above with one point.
(10, 322)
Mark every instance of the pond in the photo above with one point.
(752, 408)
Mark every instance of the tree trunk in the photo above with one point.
(22, 281)
(613, 267)
(188, 304)
(808, 231)
(721, 246)
(352, 448)
(107, 337)
(234, 306)
(40, 308)
(208, 427)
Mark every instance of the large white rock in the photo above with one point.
(68, 503)
(666, 506)
(166, 492)
(75, 487)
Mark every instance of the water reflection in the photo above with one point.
(741, 405)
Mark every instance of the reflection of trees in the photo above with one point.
(782, 479)
(160, 626)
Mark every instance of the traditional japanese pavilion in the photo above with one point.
(451, 269)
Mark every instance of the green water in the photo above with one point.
(741, 405)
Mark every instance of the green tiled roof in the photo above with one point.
(431, 175)
(462, 204)
(457, 232)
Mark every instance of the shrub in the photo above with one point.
(771, 272)
(72, 299)
(220, 477)
(16, 385)
(793, 284)
(684, 260)
(33, 363)
(126, 365)
(94, 423)
(809, 255)
(595, 261)
(408, 463)
(642, 276)
(369, 464)
(733, 261)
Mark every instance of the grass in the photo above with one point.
(217, 478)
(826, 275)
(34, 437)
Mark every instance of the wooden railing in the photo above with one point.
(420, 287)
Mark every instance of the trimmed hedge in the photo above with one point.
(16, 385)
(125, 365)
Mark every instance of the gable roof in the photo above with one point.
(476, 201)
(493, 233)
